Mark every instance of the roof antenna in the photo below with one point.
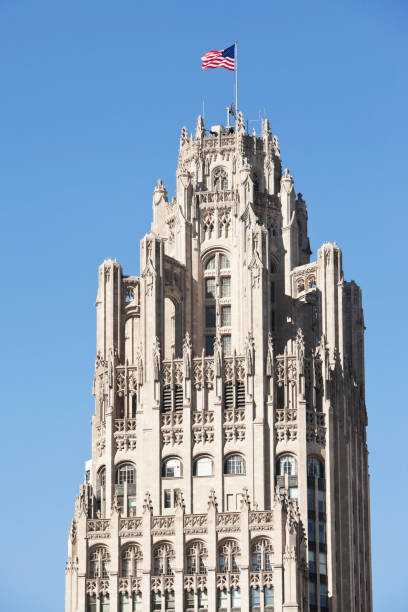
(230, 111)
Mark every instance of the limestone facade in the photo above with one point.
(229, 463)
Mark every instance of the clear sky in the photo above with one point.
(93, 98)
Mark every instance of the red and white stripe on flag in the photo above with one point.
(217, 59)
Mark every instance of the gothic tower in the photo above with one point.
(229, 460)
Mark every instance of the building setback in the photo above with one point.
(229, 460)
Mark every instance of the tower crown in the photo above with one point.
(222, 425)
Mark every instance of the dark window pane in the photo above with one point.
(210, 288)
(210, 316)
(209, 346)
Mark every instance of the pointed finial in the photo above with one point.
(147, 503)
(212, 500)
(183, 136)
(245, 502)
(200, 129)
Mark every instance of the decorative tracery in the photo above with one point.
(196, 558)
(99, 562)
(163, 558)
(131, 559)
(229, 556)
(262, 552)
(220, 179)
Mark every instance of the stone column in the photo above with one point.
(212, 552)
(179, 550)
(147, 553)
(245, 543)
(115, 557)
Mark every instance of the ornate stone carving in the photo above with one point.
(228, 522)
(195, 523)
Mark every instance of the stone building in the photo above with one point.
(229, 460)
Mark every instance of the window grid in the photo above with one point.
(234, 464)
(217, 307)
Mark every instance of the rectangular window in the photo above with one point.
(191, 565)
(156, 601)
(235, 598)
(230, 503)
(269, 596)
(322, 533)
(323, 563)
(137, 602)
(209, 346)
(235, 559)
(202, 600)
(256, 562)
(312, 561)
(131, 506)
(221, 599)
(167, 499)
(126, 567)
(312, 593)
(104, 607)
(226, 345)
(293, 493)
(91, 603)
(224, 262)
(94, 569)
(255, 597)
(125, 604)
(210, 288)
(225, 286)
(311, 530)
(323, 595)
(210, 316)
(158, 566)
(321, 500)
(189, 599)
(223, 561)
(169, 599)
(105, 569)
(226, 316)
(310, 499)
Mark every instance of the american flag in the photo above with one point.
(219, 59)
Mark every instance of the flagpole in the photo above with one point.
(236, 80)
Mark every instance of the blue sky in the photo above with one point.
(93, 97)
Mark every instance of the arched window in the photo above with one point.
(102, 477)
(286, 465)
(131, 560)
(315, 467)
(262, 552)
(163, 558)
(172, 468)
(234, 464)
(210, 265)
(220, 179)
(203, 466)
(217, 302)
(229, 556)
(99, 562)
(196, 558)
(125, 473)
